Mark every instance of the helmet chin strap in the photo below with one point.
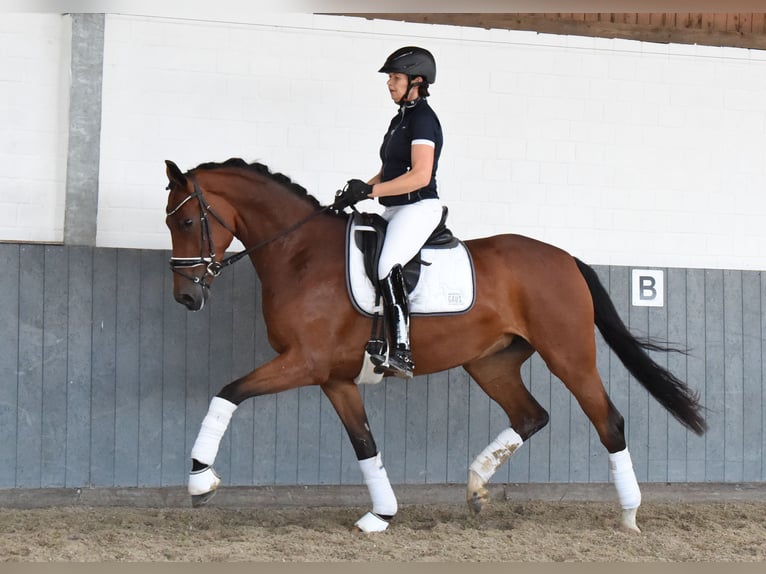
(410, 85)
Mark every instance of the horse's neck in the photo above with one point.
(279, 225)
(265, 211)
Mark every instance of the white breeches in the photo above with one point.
(408, 229)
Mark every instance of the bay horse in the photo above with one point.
(530, 297)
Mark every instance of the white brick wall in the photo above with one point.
(34, 102)
(621, 152)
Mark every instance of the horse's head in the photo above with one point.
(201, 226)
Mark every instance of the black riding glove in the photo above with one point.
(356, 190)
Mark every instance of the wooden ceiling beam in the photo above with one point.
(714, 29)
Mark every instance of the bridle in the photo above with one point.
(213, 267)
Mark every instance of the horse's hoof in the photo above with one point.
(202, 485)
(202, 499)
(477, 500)
(371, 522)
(476, 494)
(628, 521)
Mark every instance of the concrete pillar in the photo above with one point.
(84, 129)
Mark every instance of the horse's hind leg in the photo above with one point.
(575, 365)
(608, 422)
(347, 401)
(499, 375)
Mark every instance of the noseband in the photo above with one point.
(213, 267)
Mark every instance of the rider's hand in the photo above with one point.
(356, 190)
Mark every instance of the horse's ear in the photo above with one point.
(174, 174)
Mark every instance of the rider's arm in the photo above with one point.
(419, 176)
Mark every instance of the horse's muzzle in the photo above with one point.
(192, 296)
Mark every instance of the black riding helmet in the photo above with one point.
(412, 61)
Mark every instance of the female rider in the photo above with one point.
(406, 187)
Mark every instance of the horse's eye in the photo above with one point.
(187, 223)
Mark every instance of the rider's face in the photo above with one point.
(397, 86)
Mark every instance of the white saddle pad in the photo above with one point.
(445, 287)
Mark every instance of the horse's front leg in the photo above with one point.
(287, 371)
(347, 401)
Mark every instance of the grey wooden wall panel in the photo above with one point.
(416, 429)
(308, 420)
(55, 298)
(714, 376)
(763, 375)
(349, 465)
(151, 349)
(696, 361)
(497, 422)
(265, 409)
(436, 438)
(560, 414)
(676, 363)
(477, 422)
(104, 384)
(243, 346)
(9, 362)
(287, 437)
(457, 438)
(579, 443)
(109, 379)
(175, 464)
(78, 430)
(264, 440)
(395, 430)
(30, 384)
(538, 450)
(657, 453)
(752, 380)
(637, 413)
(733, 376)
(331, 434)
(240, 444)
(127, 363)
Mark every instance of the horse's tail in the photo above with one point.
(671, 392)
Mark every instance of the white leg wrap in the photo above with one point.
(496, 453)
(376, 479)
(621, 469)
(211, 432)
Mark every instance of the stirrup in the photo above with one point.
(401, 365)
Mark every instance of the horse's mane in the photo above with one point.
(260, 168)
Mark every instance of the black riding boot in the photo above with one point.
(398, 319)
